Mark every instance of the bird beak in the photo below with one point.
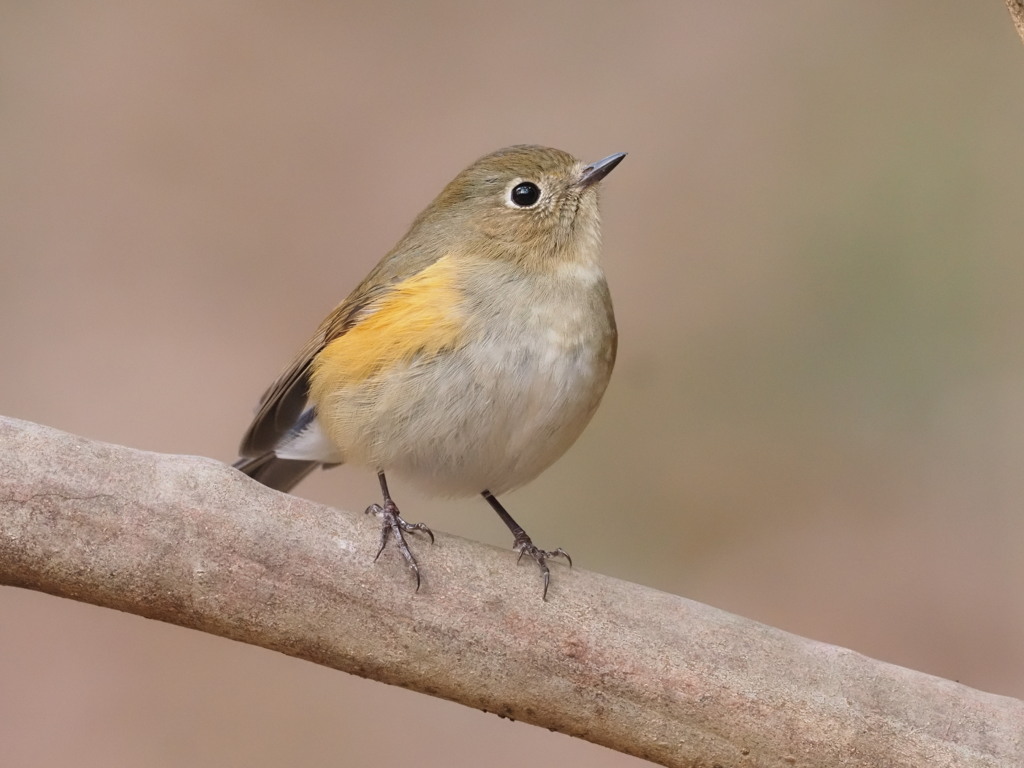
(594, 172)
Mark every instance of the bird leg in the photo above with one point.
(392, 524)
(524, 545)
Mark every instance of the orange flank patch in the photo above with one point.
(419, 316)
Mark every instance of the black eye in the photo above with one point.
(526, 194)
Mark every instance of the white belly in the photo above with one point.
(497, 411)
(495, 426)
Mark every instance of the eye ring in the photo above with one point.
(525, 194)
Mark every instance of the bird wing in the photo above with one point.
(285, 400)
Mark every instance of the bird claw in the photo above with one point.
(525, 546)
(394, 526)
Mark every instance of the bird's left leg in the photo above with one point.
(524, 545)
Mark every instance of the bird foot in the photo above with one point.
(524, 545)
(393, 526)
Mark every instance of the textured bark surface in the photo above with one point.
(191, 541)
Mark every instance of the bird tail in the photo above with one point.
(276, 473)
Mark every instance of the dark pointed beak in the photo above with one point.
(594, 172)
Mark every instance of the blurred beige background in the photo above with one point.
(817, 420)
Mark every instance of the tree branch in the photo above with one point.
(190, 541)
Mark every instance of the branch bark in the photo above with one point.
(190, 541)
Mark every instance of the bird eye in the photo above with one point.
(526, 194)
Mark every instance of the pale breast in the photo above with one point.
(497, 410)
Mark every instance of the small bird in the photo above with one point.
(469, 359)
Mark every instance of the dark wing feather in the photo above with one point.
(282, 404)
(285, 400)
(279, 474)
